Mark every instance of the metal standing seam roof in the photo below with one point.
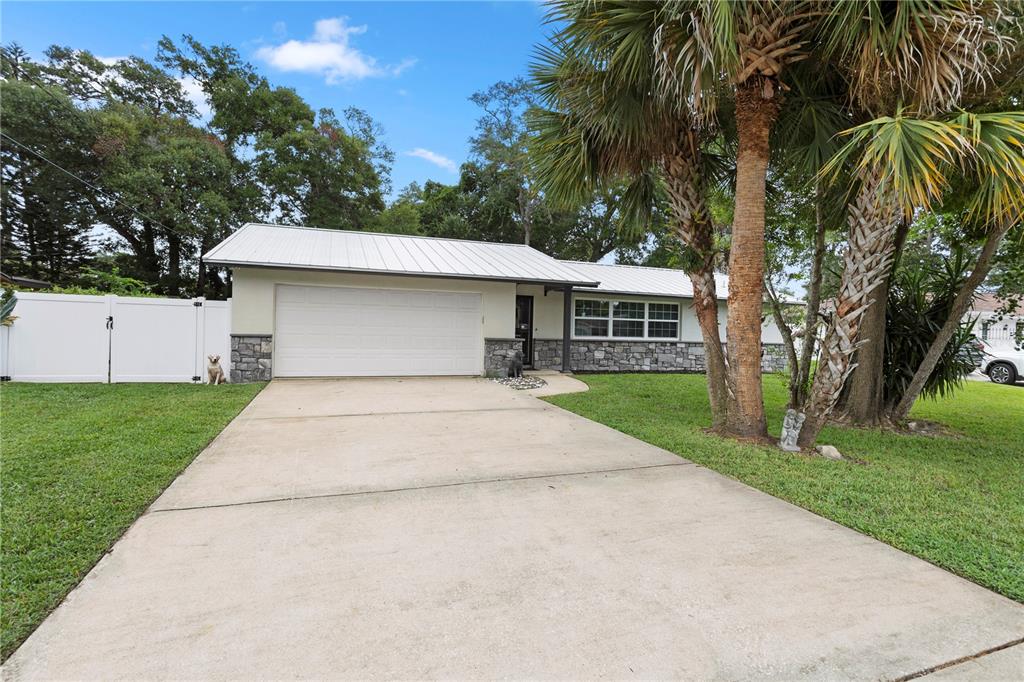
(644, 281)
(312, 248)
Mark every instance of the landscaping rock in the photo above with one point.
(521, 383)
(829, 451)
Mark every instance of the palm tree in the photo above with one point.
(689, 54)
(923, 54)
(924, 159)
(606, 119)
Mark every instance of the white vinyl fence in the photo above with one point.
(64, 337)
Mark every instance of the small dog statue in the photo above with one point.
(214, 372)
(515, 365)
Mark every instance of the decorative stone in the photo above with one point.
(829, 452)
(497, 353)
(251, 358)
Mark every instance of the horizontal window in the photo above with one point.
(663, 311)
(628, 328)
(589, 308)
(591, 327)
(657, 329)
(597, 318)
(628, 310)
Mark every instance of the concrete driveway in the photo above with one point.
(453, 528)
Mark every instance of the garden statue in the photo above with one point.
(791, 430)
(515, 365)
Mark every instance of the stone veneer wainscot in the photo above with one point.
(251, 358)
(638, 356)
(498, 353)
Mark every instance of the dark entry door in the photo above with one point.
(524, 327)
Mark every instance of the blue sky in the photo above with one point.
(410, 65)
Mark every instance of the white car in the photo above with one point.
(1002, 364)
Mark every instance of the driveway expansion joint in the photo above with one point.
(397, 413)
(959, 661)
(299, 498)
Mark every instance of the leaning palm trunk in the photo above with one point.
(873, 223)
(788, 344)
(810, 336)
(685, 189)
(960, 307)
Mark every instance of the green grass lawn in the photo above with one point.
(957, 502)
(80, 462)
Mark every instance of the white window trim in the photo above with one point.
(611, 320)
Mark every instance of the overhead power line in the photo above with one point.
(87, 183)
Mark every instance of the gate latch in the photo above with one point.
(110, 321)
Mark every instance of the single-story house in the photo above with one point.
(309, 302)
(993, 324)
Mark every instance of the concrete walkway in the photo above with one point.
(454, 528)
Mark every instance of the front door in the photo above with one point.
(524, 327)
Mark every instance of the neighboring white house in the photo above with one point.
(311, 302)
(995, 329)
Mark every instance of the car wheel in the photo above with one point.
(1002, 373)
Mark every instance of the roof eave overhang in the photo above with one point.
(396, 273)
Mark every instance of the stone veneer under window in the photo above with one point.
(638, 356)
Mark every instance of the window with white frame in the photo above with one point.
(608, 319)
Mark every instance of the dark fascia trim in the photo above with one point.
(392, 273)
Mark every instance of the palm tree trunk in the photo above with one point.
(705, 305)
(960, 307)
(863, 399)
(755, 117)
(811, 313)
(867, 259)
(688, 203)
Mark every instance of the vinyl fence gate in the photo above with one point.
(113, 339)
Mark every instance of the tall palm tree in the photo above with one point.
(606, 118)
(923, 54)
(703, 50)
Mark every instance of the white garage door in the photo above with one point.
(335, 331)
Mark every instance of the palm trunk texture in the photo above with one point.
(755, 116)
(684, 185)
(868, 256)
(863, 399)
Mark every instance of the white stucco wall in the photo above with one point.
(252, 295)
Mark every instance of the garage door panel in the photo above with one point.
(339, 331)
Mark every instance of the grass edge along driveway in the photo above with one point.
(81, 462)
(956, 501)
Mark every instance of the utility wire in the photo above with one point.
(89, 184)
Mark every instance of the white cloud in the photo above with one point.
(194, 92)
(434, 158)
(330, 52)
